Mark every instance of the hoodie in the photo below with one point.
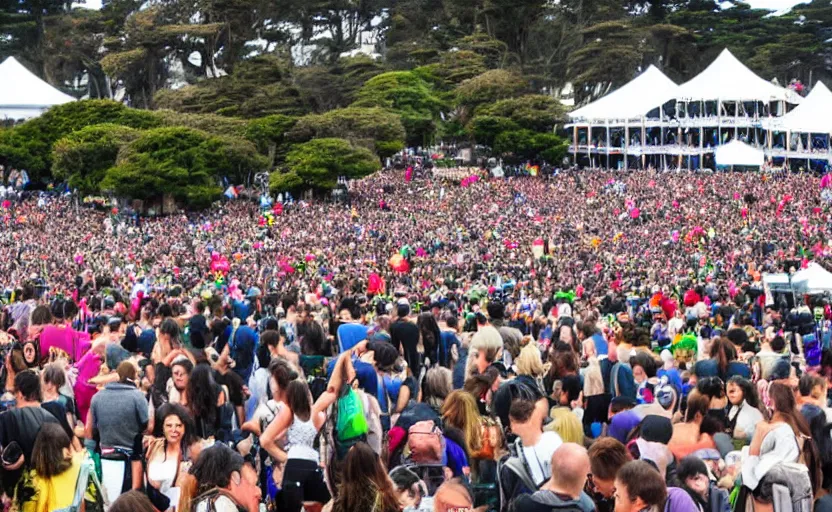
(548, 501)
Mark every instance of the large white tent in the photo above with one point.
(633, 100)
(737, 152)
(813, 115)
(811, 280)
(728, 79)
(23, 95)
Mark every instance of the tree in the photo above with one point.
(269, 133)
(406, 94)
(608, 59)
(533, 111)
(29, 146)
(486, 128)
(488, 87)
(373, 128)
(320, 162)
(258, 87)
(183, 162)
(83, 157)
(522, 145)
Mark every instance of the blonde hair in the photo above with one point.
(460, 411)
(488, 339)
(529, 361)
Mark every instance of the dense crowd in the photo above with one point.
(577, 341)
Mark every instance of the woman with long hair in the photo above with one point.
(55, 470)
(365, 485)
(436, 387)
(786, 438)
(168, 347)
(482, 438)
(744, 412)
(205, 400)
(429, 334)
(695, 432)
(303, 478)
(722, 362)
(169, 457)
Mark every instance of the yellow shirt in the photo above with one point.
(56, 492)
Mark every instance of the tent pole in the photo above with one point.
(626, 142)
(608, 144)
(644, 140)
(589, 143)
(575, 145)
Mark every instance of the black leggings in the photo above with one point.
(303, 480)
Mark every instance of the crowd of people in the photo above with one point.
(580, 341)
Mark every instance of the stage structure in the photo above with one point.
(651, 121)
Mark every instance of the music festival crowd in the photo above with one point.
(584, 340)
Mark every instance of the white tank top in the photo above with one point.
(301, 438)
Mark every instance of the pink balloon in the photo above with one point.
(634, 213)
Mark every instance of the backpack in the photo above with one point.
(616, 389)
(514, 479)
(86, 474)
(425, 443)
(350, 422)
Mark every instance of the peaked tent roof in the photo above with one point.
(634, 99)
(737, 152)
(813, 115)
(23, 94)
(726, 78)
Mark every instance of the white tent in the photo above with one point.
(813, 115)
(728, 79)
(812, 279)
(737, 152)
(635, 99)
(23, 95)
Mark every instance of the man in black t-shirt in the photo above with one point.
(404, 335)
(19, 427)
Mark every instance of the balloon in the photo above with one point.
(238, 256)
(309, 257)
(398, 263)
(675, 204)
(674, 235)
(634, 213)
(79, 259)
(278, 209)
(736, 196)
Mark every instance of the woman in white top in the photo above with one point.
(784, 439)
(744, 413)
(169, 457)
(300, 421)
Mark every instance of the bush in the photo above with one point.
(488, 87)
(533, 111)
(486, 128)
(211, 123)
(83, 157)
(521, 145)
(376, 128)
(320, 162)
(184, 162)
(407, 94)
(29, 146)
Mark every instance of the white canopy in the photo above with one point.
(23, 95)
(635, 99)
(777, 282)
(728, 79)
(812, 279)
(813, 115)
(737, 152)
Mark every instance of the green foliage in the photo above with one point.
(289, 181)
(408, 95)
(29, 146)
(184, 162)
(488, 87)
(82, 157)
(485, 129)
(532, 111)
(269, 133)
(320, 162)
(522, 145)
(375, 128)
(211, 123)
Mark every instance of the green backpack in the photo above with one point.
(350, 423)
